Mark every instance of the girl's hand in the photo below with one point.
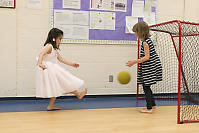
(131, 63)
(42, 66)
(75, 65)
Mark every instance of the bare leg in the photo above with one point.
(51, 104)
(80, 95)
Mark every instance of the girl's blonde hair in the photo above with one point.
(142, 30)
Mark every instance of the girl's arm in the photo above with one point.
(143, 59)
(146, 53)
(65, 61)
(46, 50)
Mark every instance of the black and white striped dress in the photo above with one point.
(149, 72)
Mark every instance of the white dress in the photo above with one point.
(54, 81)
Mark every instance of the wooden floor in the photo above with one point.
(120, 120)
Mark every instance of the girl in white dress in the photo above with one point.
(51, 79)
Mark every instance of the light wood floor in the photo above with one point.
(120, 120)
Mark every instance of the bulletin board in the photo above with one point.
(101, 21)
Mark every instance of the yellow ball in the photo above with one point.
(124, 77)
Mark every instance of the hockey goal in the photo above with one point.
(177, 44)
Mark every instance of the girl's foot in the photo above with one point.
(153, 107)
(149, 111)
(82, 94)
(53, 108)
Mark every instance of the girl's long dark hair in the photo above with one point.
(52, 35)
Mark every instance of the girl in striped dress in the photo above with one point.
(150, 68)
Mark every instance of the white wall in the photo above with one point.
(97, 62)
(32, 29)
(8, 41)
(23, 32)
(191, 11)
(170, 10)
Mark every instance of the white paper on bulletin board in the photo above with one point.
(7, 3)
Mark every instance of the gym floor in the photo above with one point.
(90, 115)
